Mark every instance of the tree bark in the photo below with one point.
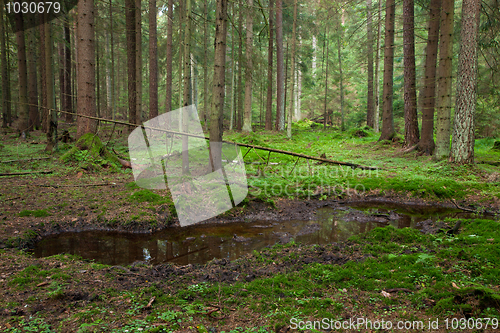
(204, 116)
(170, 25)
(294, 41)
(247, 119)
(86, 67)
(6, 106)
(153, 62)
(410, 93)
(325, 59)
(339, 53)
(269, 103)
(370, 105)
(67, 102)
(462, 147)
(187, 87)
(138, 64)
(23, 77)
(387, 117)
(43, 77)
(131, 60)
(34, 119)
(376, 125)
(426, 144)
(444, 74)
(239, 108)
(280, 70)
(216, 128)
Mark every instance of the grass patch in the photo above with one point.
(35, 213)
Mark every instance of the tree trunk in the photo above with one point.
(67, 102)
(216, 128)
(6, 108)
(426, 143)
(294, 41)
(181, 52)
(376, 125)
(342, 116)
(131, 60)
(51, 97)
(325, 59)
(153, 62)
(34, 119)
(387, 116)
(370, 106)
(444, 74)
(247, 119)
(170, 18)
(86, 67)
(410, 93)
(269, 103)
(204, 116)
(23, 77)
(233, 75)
(138, 64)
(239, 109)
(187, 88)
(43, 77)
(462, 147)
(280, 70)
(109, 94)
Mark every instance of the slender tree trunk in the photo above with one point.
(67, 102)
(269, 104)
(109, 94)
(462, 147)
(387, 116)
(286, 82)
(247, 121)
(6, 108)
(23, 77)
(444, 74)
(370, 106)
(86, 103)
(410, 92)
(153, 62)
(51, 97)
(294, 41)
(98, 70)
(342, 116)
(325, 114)
(187, 86)
(216, 128)
(426, 143)
(314, 57)
(205, 67)
(34, 119)
(43, 76)
(239, 110)
(138, 64)
(233, 75)
(131, 60)
(181, 52)
(280, 70)
(170, 25)
(376, 125)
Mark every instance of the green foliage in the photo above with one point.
(35, 213)
(37, 325)
(145, 195)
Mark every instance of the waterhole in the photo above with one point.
(198, 244)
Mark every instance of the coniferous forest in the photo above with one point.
(250, 165)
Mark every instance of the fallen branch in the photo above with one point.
(83, 185)
(126, 164)
(408, 150)
(464, 209)
(26, 160)
(24, 173)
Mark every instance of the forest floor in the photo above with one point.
(388, 274)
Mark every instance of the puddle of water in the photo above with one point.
(198, 244)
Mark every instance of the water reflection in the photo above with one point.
(201, 243)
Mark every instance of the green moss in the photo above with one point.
(35, 213)
(89, 148)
